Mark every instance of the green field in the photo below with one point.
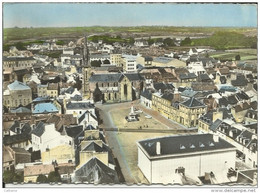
(245, 54)
(11, 34)
(217, 38)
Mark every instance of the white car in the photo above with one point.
(148, 116)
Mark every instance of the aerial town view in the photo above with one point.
(130, 94)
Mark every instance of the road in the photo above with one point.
(114, 143)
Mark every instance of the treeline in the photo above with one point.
(110, 40)
(223, 41)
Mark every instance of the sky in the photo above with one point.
(123, 14)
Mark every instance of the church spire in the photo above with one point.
(85, 52)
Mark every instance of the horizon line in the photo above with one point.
(131, 26)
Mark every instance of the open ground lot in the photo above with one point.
(123, 144)
(119, 120)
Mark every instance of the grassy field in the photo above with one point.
(245, 54)
(11, 34)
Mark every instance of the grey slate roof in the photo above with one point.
(80, 105)
(215, 125)
(94, 171)
(184, 144)
(9, 140)
(193, 102)
(187, 76)
(147, 94)
(105, 78)
(93, 147)
(163, 86)
(74, 131)
(39, 129)
(21, 110)
(168, 96)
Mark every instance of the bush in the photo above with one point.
(12, 176)
(42, 179)
(54, 177)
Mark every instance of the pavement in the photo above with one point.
(114, 143)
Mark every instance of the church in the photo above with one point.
(116, 87)
(109, 87)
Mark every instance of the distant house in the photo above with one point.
(193, 51)
(45, 137)
(146, 98)
(32, 172)
(53, 90)
(78, 108)
(88, 119)
(141, 43)
(17, 93)
(189, 155)
(13, 156)
(243, 138)
(164, 62)
(144, 60)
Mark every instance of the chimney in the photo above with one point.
(158, 148)
(216, 138)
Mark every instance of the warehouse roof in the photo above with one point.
(172, 145)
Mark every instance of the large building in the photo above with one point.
(186, 113)
(117, 87)
(16, 94)
(160, 159)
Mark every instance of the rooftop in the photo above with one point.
(193, 102)
(16, 85)
(45, 108)
(173, 145)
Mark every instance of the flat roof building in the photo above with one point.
(160, 159)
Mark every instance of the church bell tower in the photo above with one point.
(86, 70)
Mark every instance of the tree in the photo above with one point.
(106, 62)
(11, 176)
(150, 41)
(54, 177)
(42, 179)
(131, 40)
(186, 41)
(168, 42)
(97, 94)
(237, 57)
(96, 63)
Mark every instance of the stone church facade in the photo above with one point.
(117, 87)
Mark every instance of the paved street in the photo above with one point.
(114, 143)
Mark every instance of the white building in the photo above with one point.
(129, 63)
(196, 68)
(45, 136)
(198, 155)
(78, 108)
